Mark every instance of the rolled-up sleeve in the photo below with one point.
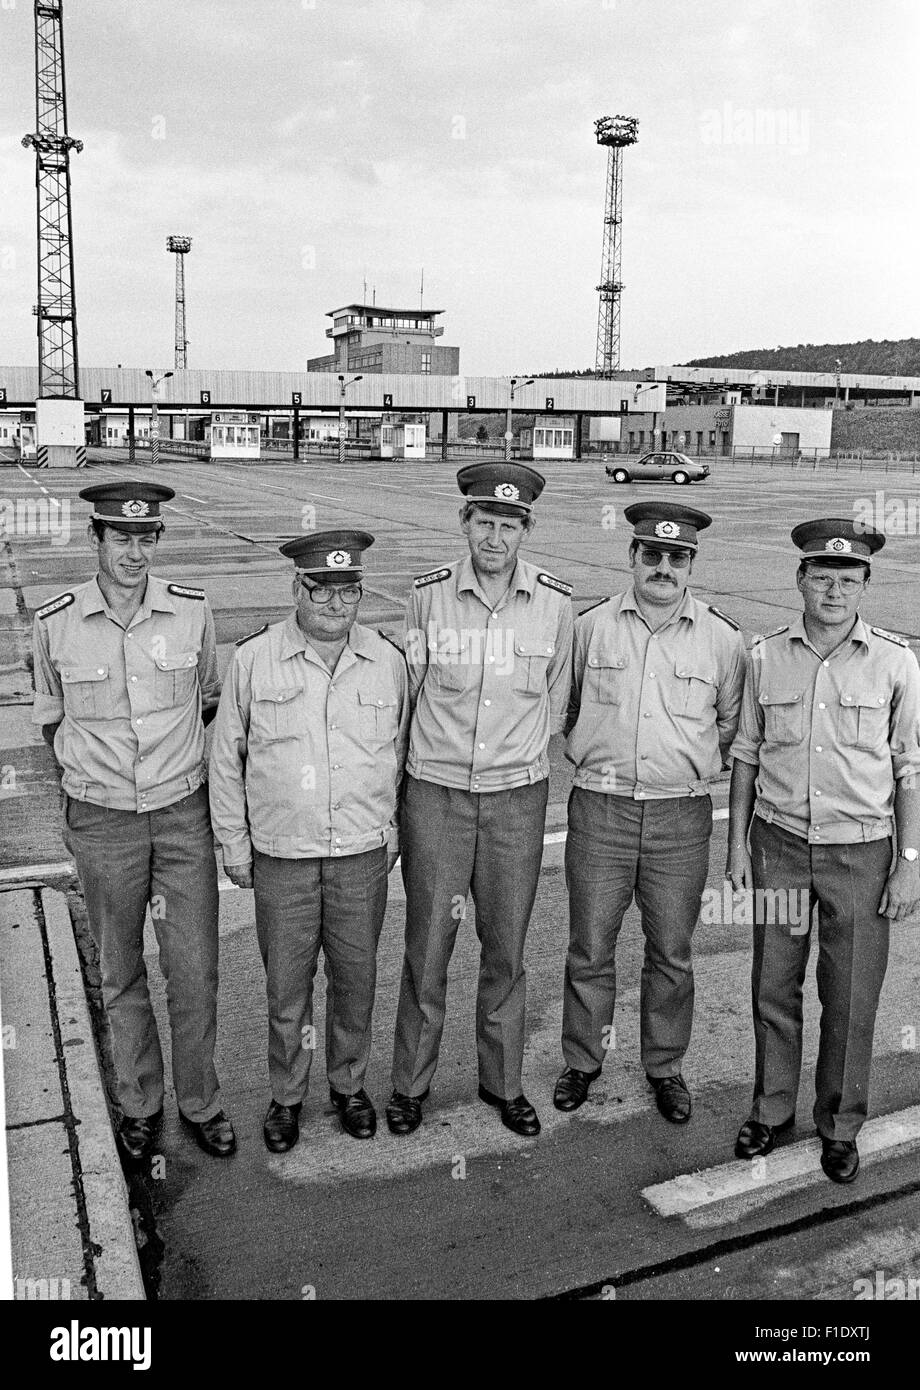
(227, 769)
(208, 672)
(746, 745)
(904, 728)
(731, 694)
(48, 705)
(559, 672)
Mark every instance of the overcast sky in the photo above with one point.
(772, 197)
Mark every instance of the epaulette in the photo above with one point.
(551, 582)
(182, 592)
(432, 577)
(591, 606)
(249, 636)
(392, 641)
(54, 605)
(890, 636)
(724, 616)
(764, 636)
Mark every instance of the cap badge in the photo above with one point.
(135, 508)
(338, 560)
(666, 529)
(507, 491)
(838, 544)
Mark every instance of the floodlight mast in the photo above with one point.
(616, 132)
(180, 247)
(56, 310)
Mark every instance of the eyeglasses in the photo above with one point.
(322, 593)
(679, 559)
(849, 584)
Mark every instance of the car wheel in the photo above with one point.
(680, 477)
(620, 475)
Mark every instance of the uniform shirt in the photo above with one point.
(830, 735)
(489, 685)
(129, 699)
(653, 712)
(305, 764)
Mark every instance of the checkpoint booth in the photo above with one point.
(552, 437)
(383, 440)
(27, 449)
(408, 441)
(235, 434)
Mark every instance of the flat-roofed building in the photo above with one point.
(401, 342)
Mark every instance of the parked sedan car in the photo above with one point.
(661, 464)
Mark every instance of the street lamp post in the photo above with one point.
(155, 383)
(342, 386)
(838, 364)
(637, 391)
(515, 382)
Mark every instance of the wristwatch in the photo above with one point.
(911, 855)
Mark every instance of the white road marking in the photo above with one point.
(796, 1165)
(202, 500)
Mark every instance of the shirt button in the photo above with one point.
(817, 793)
(482, 745)
(337, 806)
(333, 726)
(822, 706)
(487, 702)
(646, 716)
(825, 663)
(336, 766)
(338, 839)
(819, 749)
(651, 675)
(100, 671)
(643, 756)
(881, 699)
(134, 678)
(380, 702)
(139, 721)
(491, 658)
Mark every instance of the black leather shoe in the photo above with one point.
(281, 1129)
(672, 1097)
(136, 1136)
(572, 1088)
(359, 1118)
(215, 1136)
(517, 1114)
(756, 1140)
(839, 1159)
(404, 1113)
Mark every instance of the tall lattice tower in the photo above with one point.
(616, 132)
(58, 372)
(180, 246)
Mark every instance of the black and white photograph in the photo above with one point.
(460, 529)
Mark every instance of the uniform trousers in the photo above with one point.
(845, 882)
(454, 842)
(338, 904)
(126, 860)
(659, 851)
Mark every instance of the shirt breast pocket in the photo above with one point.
(783, 716)
(174, 679)
(694, 690)
(276, 712)
(450, 662)
(531, 663)
(377, 715)
(605, 678)
(864, 718)
(88, 691)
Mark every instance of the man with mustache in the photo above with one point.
(488, 645)
(125, 676)
(824, 805)
(656, 693)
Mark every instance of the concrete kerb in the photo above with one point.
(111, 1230)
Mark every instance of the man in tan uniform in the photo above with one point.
(308, 753)
(125, 671)
(488, 643)
(825, 763)
(656, 692)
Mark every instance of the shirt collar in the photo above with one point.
(687, 608)
(156, 597)
(360, 640)
(521, 581)
(858, 632)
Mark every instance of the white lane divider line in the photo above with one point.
(689, 1192)
(202, 500)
